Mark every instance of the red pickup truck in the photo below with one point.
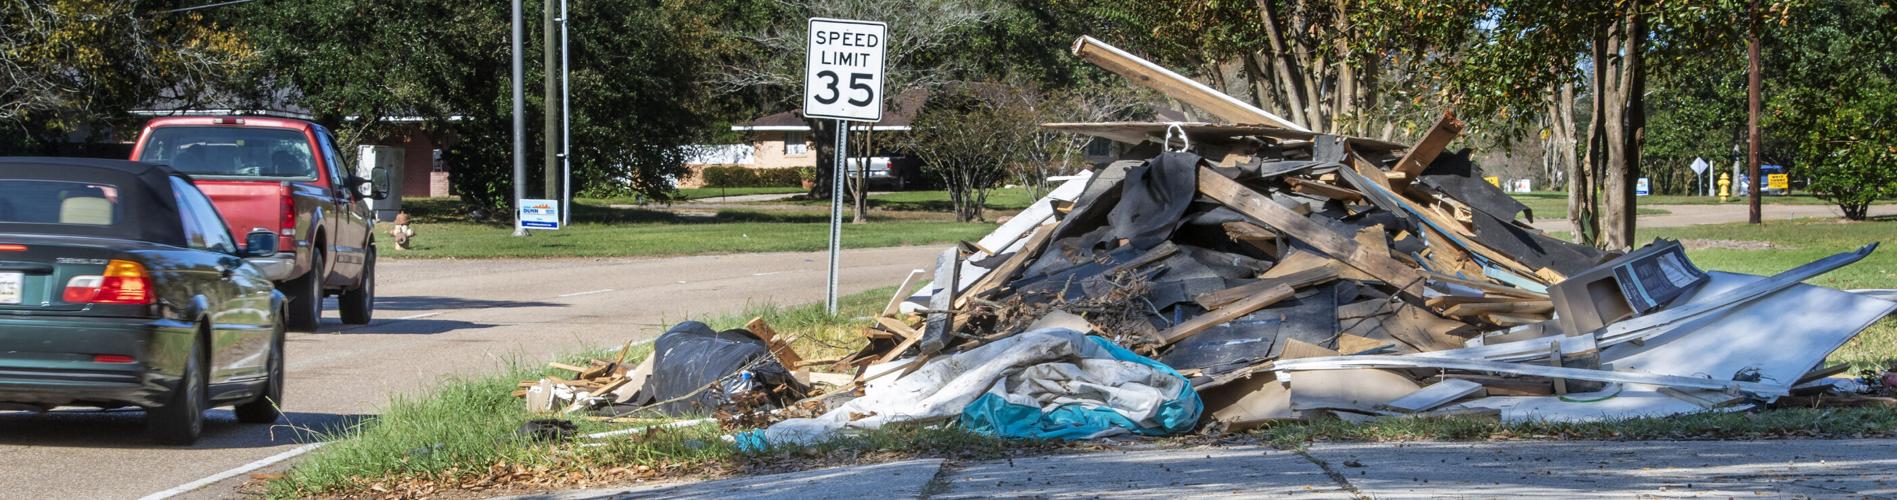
(285, 176)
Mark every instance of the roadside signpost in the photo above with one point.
(843, 81)
(1642, 187)
(539, 214)
(1699, 167)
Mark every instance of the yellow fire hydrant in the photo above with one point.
(1725, 186)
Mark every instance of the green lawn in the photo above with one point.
(1000, 199)
(1554, 206)
(601, 231)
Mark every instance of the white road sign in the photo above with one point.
(843, 70)
(1700, 166)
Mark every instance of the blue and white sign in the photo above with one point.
(1641, 187)
(540, 214)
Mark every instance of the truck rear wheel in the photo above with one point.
(306, 297)
(358, 304)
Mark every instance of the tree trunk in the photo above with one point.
(860, 194)
(822, 140)
(1582, 181)
(1624, 122)
(1288, 83)
(1345, 95)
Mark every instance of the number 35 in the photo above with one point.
(857, 82)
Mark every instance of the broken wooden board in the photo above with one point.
(1252, 204)
(1214, 301)
(1424, 152)
(937, 329)
(779, 346)
(1225, 314)
(994, 279)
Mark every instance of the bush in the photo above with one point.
(736, 176)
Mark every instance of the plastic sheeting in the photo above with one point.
(1149, 396)
(1088, 399)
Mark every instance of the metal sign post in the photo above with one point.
(1699, 167)
(843, 81)
(836, 215)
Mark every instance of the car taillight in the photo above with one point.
(124, 282)
(113, 358)
(12, 248)
(286, 230)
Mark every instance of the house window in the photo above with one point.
(795, 144)
(1099, 147)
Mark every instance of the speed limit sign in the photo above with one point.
(843, 71)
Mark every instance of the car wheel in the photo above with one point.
(181, 419)
(269, 405)
(306, 297)
(358, 304)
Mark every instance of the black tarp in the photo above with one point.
(692, 356)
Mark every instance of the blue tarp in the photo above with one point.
(994, 415)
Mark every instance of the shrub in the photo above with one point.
(737, 176)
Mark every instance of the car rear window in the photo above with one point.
(232, 151)
(58, 202)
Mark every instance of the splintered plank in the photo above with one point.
(1323, 189)
(936, 331)
(1006, 271)
(1420, 156)
(1213, 301)
(1337, 246)
(780, 346)
(1225, 314)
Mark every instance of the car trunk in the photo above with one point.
(34, 270)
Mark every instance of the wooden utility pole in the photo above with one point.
(550, 103)
(1752, 113)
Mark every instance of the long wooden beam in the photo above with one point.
(1176, 86)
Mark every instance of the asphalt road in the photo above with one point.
(434, 319)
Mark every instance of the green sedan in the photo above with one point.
(120, 286)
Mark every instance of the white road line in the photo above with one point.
(589, 292)
(420, 316)
(214, 478)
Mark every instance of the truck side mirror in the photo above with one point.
(260, 243)
(379, 183)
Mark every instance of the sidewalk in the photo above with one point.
(1554, 469)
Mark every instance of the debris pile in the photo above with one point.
(1293, 275)
(1239, 273)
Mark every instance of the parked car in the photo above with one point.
(287, 176)
(880, 174)
(120, 286)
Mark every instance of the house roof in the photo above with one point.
(898, 114)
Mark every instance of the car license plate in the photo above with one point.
(10, 288)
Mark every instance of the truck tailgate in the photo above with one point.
(247, 205)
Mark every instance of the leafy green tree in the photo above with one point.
(969, 135)
(637, 82)
(1832, 88)
(71, 69)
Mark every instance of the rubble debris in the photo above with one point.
(1052, 383)
(1275, 273)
